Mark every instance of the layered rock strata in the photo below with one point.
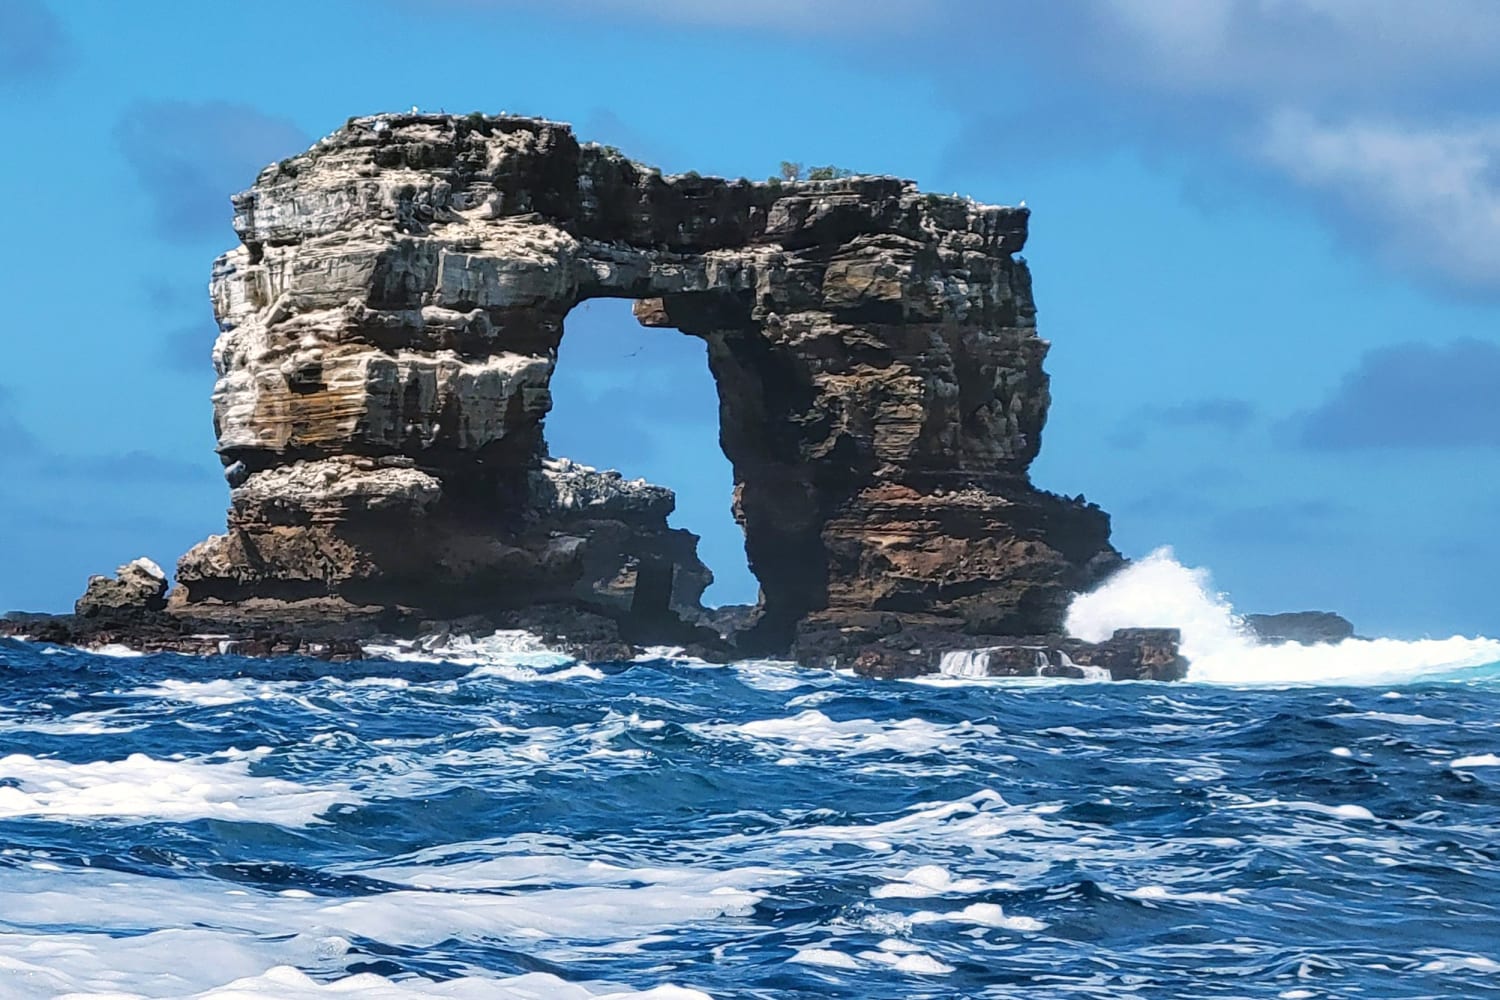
(391, 321)
(138, 587)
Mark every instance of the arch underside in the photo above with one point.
(391, 323)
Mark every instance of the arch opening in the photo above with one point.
(642, 401)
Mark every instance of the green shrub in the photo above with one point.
(791, 171)
(828, 173)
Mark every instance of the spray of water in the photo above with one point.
(1158, 591)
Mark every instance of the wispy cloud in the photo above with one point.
(1425, 195)
(25, 457)
(1382, 115)
(15, 439)
(1221, 414)
(32, 42)
(1411, 396)
(190, 157)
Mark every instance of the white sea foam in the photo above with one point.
(529, 675)
(547, 919)
(523, 864)
(1461, 963)
(825, 956)
(106, 723)
(1345, 811)
(505, 648)
(214, 693)
(932, 880)
(812, 730)
(144, 788)
(116, 650)
(1163, 894)
(918, 963)
(1160, 592)
(980, 915)
(969, 821)
(781, 675)
(1481, 760)
(287, 983)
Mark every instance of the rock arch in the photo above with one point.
(390, 323)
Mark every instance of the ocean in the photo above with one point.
(487, 819)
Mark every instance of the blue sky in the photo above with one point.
(1264, 238)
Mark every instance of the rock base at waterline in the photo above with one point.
(1305, 627)
(274, 628)
(887, 648)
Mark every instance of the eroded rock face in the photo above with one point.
(390, 324)
(139, 586)
(1306, 627)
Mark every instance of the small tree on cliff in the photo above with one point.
(791, 171)
(828, 173)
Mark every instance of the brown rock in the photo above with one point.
(390, 324)
(138, 587)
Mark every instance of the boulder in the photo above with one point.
(1306, 627)
(138, 587)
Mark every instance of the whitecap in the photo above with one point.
(1160, 592)
(981, 915)
(1481, 760)
(917, 963)
(826, 957)
(287, 983)
(932, 880)
(812, 730)
(144, 788)
(116, 650)
(211, 694)
(1163, 894)
(1345, 811)
(507, 647)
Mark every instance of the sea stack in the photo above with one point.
(390, 323)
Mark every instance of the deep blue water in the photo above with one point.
(509, 826)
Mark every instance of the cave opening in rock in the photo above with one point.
(643, 401)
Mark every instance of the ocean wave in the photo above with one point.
(1160, 592)
(141, 788)
(741, 830)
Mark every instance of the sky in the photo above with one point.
(1264, 238)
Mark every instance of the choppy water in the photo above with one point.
(508, 824)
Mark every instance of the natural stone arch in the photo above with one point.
(390, 324)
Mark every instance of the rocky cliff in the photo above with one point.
(390, 323)
(389, 326)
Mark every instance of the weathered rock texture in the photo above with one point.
(138, 587)
(390, 324)
(1306, 627)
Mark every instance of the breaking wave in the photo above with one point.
(481, 817)
(1158, 591)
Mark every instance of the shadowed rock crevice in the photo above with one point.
(391, 322)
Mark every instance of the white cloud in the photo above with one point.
(1428, 194)
(1316, 50)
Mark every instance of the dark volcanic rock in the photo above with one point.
(138, 587)
(391, 321)
(390, 327)
(886, 646)
(1306, 627)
